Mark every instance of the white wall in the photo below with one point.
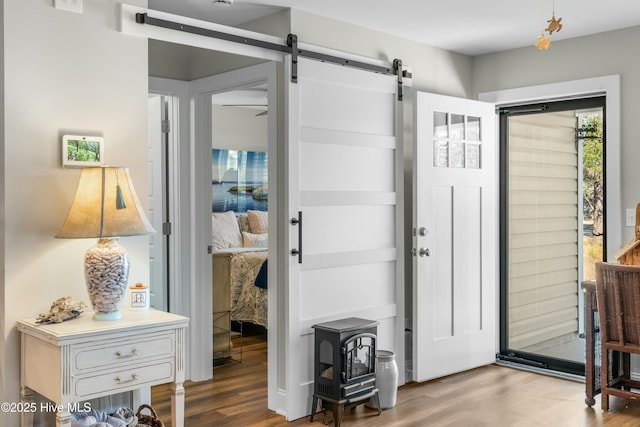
(64, 73)
(237, 128)
(586, 57)
(434, 70)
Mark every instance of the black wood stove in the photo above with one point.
(345, 365)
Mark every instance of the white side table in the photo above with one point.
(82, 359)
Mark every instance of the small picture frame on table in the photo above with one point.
(82, 151)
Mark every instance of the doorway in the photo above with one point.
(192, 160)
(240, 190)
(553, 217)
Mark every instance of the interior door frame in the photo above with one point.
(175, 162)
(158, 105)
(200, 94)
(178, 164)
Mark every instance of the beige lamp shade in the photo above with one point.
(105, 205)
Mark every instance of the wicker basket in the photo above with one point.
(148, 420)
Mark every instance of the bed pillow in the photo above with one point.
(243, 222)
(258, 221)
(252, 240)
(225, 231)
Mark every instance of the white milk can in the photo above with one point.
(386, 378)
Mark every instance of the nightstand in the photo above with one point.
(83, 359)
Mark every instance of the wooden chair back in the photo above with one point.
(618, 295)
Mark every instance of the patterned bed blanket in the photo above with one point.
(248, 301)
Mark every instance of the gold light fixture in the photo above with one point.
(555, 25)
(105, 207)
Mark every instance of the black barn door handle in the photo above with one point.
(298, 222)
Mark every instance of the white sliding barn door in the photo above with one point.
(456, 220)
(343, 166)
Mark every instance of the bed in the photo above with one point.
(239, 261)
(236, 271)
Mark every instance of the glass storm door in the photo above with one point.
(553, 228)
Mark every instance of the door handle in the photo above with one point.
(298, 222)
(424, 252)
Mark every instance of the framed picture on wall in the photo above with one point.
(82, 151)
(240, 180)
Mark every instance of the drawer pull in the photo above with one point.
(133, 352)
(133, 378)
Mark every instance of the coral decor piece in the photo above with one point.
(62, 309)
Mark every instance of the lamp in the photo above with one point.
(106, 207)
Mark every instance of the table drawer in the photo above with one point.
(122, 352)
(121, 380)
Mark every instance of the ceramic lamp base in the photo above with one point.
(114, 315)
(106, 269)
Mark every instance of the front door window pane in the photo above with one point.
(456, 141)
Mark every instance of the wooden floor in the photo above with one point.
(489, 396)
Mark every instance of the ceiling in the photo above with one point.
(470, 27)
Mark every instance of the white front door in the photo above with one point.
(456, 230)
(344, 172)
